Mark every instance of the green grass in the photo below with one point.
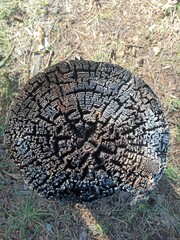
(172, 9)
(99, 56)
(4, 164)
(4, 88)
(4, 41)
(172, 173)
(25, 219)
(2, 128)
(150, 219)
(102, 17)
(8, 7)
(176, 133)
(173, 104)
(4, 99)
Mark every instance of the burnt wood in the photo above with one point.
(83, 130)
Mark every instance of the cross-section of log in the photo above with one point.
(83, 130)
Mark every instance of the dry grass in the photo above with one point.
(140, 35)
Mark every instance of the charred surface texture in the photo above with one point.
(84, 130)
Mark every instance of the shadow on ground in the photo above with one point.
(114, 218)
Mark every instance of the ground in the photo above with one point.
(140, 35)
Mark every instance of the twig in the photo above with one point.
(13, 175)
(133, 45)
(49, 58)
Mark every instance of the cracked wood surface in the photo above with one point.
(83, 130)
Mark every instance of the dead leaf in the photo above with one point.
(36, 59)
(38, 44)
(156, 50)
(152, 27)
(41, 34)
(133, 51)
(135, 39)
